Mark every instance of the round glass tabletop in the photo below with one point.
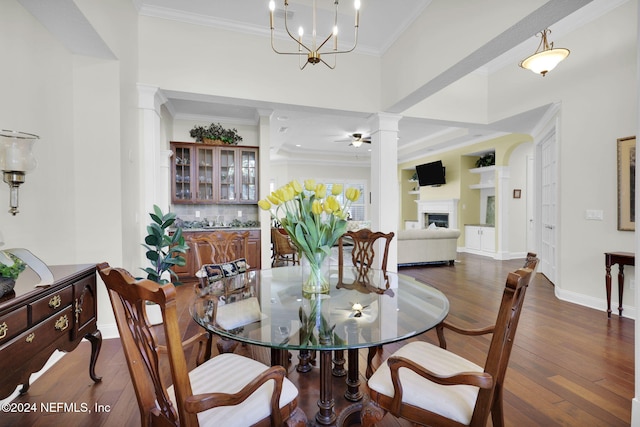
(268, 308)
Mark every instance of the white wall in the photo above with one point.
(72, 204)
(204, 60)
(434, 42)
(598, 105)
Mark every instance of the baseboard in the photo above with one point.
(591, 302)
(108, 330)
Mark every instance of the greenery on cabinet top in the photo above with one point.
(215, 132)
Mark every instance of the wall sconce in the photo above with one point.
(16, 159)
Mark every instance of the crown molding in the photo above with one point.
(230, 25)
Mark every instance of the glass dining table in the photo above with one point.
(267, 308)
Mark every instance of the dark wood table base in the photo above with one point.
(622, 259)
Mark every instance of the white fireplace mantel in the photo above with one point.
(448, 206)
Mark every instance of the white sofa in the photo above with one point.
(427, 245)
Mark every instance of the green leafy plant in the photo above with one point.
(163, 250)
(12, 271)
(215, 131)
(488, 159)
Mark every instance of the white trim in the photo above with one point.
(448, 206)
(591, 302)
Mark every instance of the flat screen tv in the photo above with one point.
(431, 174)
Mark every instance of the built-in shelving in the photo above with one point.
(414, 181)
(487, 177)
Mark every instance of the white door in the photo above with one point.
(548, 227)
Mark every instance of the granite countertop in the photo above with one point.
(224, 228)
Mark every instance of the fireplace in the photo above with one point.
(438, 211)
(439, 219)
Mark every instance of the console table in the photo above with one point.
(622, 259)
(36, 321)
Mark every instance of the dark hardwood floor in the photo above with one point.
(570, 366)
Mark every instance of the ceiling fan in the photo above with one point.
(357, 139)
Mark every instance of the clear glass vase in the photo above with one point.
(315, 273)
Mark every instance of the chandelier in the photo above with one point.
(545, 60)
(317, 48)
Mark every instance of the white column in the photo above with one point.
(264, 123)
(154, 162)
(383, 196)
(502, 212)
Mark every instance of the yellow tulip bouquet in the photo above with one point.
(314, 220)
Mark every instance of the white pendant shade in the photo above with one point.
(545, 58)
(545, 61)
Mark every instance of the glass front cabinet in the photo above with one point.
(213, 174)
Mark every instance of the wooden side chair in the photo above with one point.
(362, 257)
(229, 389)
(283, 250)
(441, 388)
(220, 247)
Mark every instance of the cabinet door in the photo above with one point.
(205, 174)
(85, 306)
(488, 239)
(472, 237)
(248, 177)
(253, 251)
(226, 188)
(182, 171)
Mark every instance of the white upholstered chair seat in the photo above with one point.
(456, 402)
(228, 373)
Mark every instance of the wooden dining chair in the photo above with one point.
(441, 388)
(284, 251)
(362, 257)
(229, 389)
(220, 247)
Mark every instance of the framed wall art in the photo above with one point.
(627, 183)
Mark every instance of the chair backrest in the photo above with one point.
(220, 247)
(139, 342)
(283, 250)
(281, 243)
(504, 332)
(363, 251)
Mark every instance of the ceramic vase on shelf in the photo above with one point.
(315, 273)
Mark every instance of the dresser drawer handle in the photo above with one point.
(55, 301)
(62, 323)
(30, 337)
(3, 330)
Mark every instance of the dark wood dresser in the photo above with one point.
(34, 322)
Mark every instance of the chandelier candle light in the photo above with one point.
(545, 60)
(314, 51)
(314, 221)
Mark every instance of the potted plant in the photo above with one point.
(10, 267)
(163, 250)
(215, 132)
(488, 159)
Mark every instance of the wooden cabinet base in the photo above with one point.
(60, 316)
